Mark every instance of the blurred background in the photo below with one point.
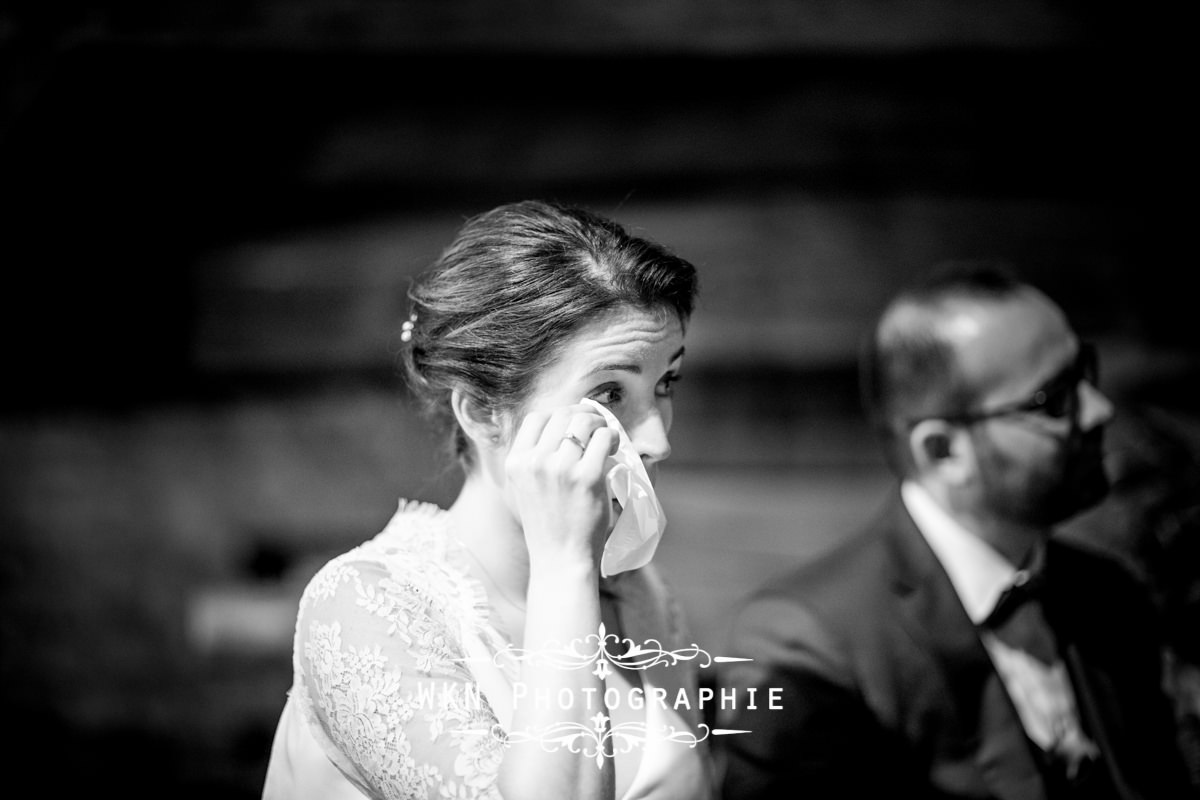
(211, 211)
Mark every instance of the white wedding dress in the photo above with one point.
(404, 689)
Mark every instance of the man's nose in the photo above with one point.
(1095, 409)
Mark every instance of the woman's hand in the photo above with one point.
(555, 472)
(555, 477)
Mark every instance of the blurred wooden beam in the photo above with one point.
(585, 26)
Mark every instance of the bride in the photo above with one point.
(475, 651)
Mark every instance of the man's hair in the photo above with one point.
(908, 367)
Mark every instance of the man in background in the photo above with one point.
(956, 648)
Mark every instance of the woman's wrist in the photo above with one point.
(579, 561)
(561, 571)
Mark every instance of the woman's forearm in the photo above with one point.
(559, 695)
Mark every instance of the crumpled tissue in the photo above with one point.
(641, 523)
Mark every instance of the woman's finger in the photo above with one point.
(563, 420)
(551, 437)
(579, 431)
(530, 430)
(601, 445)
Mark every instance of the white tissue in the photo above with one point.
(641, 523)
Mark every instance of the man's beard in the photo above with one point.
(1077, 482)
(1082, 482)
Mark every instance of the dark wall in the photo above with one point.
(136, 164)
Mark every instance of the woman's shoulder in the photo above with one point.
(415, 533)
(412, 553)
(416, 530)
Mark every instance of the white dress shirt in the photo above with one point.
(1042, 694)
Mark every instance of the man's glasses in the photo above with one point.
(1058, 398)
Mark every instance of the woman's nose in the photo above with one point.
(649, 437)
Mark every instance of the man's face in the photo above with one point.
(1036, 467)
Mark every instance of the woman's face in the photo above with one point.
(627, 360)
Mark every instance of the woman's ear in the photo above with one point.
(940, 449)
(480, 425)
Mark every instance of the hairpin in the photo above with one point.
(406, 329)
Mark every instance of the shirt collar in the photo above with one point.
(977, 571)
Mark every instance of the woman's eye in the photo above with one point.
(607, 395)
(666, 387)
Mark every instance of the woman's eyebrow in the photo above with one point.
(636, 369)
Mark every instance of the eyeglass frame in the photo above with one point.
(1085, 367)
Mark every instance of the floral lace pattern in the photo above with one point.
(381, 676)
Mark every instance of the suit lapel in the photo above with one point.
(935, 617)
(1097, 703)
(1096, 697)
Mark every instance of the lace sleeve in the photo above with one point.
(383, 692)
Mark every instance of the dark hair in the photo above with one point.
(908, 368)
(515, 283)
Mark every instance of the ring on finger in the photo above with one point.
(575, 440)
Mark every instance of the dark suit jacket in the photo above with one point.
(887, 690)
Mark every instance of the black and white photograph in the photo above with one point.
(557, 400)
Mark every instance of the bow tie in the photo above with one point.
(1026, 586)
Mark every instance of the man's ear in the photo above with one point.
(480, 425)
(940, 448)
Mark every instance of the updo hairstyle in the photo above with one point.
(515, 283)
